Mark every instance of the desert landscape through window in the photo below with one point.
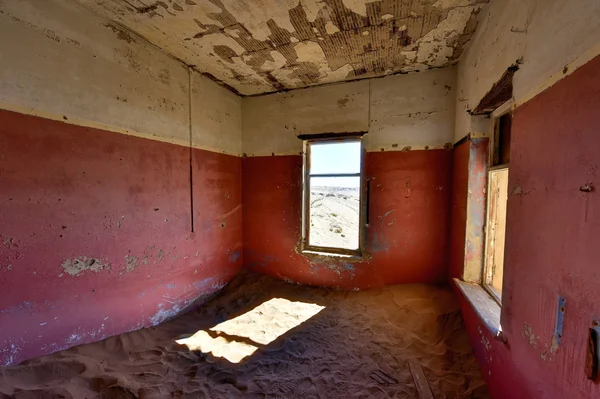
(334, 184)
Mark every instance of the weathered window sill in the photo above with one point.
(485, 306)
(317, 254)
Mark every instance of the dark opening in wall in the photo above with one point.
(501, 147)
(500, 93)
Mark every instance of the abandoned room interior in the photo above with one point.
(299, 199)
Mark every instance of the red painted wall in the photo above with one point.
(72, 193)
(505, 380)
(553, 230)
(408, 233)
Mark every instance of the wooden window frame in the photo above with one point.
(320, 139)
(488, 272)
(494, 156)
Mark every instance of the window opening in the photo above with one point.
(497, 199)
(332, 190)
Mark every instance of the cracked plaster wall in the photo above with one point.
(262, 46)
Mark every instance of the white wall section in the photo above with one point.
(414, 110)
(272, 123)
(216, 117)
(61, 62)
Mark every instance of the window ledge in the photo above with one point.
(485, 306)
(318, 254)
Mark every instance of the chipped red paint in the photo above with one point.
(497, 367)
(407, 237)
(73, 193)
(551, 246)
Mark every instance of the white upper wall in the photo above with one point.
(414, 110)
(547, 36)
(271, 123)
(216, 117)
(61, 62)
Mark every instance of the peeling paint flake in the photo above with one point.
(131, 263)
(529, 335)
(77, 266)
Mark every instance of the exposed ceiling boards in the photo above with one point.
(262, 46)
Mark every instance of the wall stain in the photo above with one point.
(342, 102)
(379, 245)
(121, 34)
(234, 257)
(73, 42)
(51, 35)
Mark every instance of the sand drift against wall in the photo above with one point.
(346, 344)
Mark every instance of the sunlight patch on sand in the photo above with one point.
(241, 336)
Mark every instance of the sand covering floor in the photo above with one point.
(264, 338)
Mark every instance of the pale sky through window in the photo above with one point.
(343, 157)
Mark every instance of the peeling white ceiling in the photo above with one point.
(262, 46)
